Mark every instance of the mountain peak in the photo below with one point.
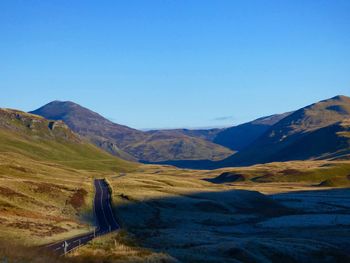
(61, 103)
(59, 110)
(341, 98)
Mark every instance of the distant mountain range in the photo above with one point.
(132, 144)
(320, 130)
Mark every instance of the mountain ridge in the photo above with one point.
(129, 143)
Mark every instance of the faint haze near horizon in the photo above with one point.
(174, 64)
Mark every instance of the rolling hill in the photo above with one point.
(128, 143)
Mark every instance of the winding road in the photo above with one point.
(104, 218)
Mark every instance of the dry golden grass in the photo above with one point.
(41, 201)
(118, 247)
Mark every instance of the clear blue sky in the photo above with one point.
(174, 63)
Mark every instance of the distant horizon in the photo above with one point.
(165, 64)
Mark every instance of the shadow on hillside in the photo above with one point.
(327, 193)
(336, 200)
(224, 226)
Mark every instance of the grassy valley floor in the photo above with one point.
(252, 214)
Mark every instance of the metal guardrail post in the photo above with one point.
(65, 246)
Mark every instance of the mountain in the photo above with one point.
(238, 137)
(316, 131)
(175, 145)
(102, 132)
(319, 130)
(128, 143)
(35, 137)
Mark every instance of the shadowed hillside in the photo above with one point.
(310, 132)
(240, 136)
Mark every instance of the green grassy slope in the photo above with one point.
(32, 137)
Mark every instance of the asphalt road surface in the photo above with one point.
(104, 218)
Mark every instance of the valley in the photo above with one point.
(294, 205)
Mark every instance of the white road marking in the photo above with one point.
(103, 211)
(98, 227)
(110, 208)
